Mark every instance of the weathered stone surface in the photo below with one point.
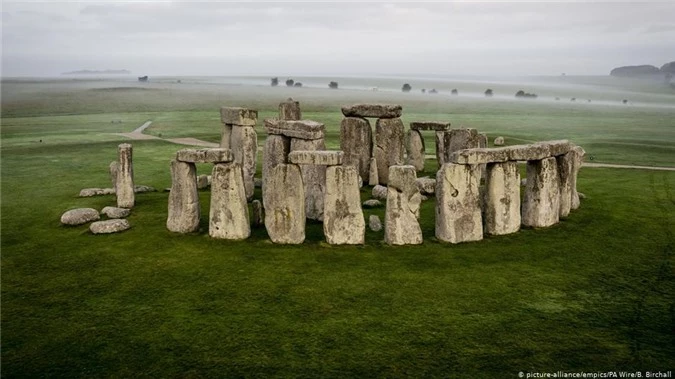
(184, 209)
(379, 192)
(372, 110)
(478, 156)
(356, 141)
(458, 212)
(89, 192)
(426, 185)
(245, 150)
(112, 169)
(459, 139)
(143, 189)
(523, 182)
(440, 150)
(114, 212)
(415, 149)
(290, 110)
(258, 217)
(202, 181)
(79, 216)
(565, 172)
(374, 223)
(389, 135)
(343, 222)
(228, 215)
(541, 202)
(302, 129)
(313, 177)
(482, 140)
(109, 226)
(372, 203)
(238, 116)
(373, 177)
(401, 226)
(578, 161)
(538, 151)
(319, 157)
(226, 136)
(125, 177)
(499, 141)
(277, 148)
(502, 198)
(285, 206)
(430, 125)
(558, 147)
(215, 155)
(258, 182)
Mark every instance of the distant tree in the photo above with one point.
(274, 82)
(433, 91)
(520, 93)
(573, 99)
(488, 92)
(557, 98)
(333, 85)
(524, 94)
(454, 91)
(297, 84)
(424, 90)
(625, 101)
(406, 88)
(290, 82)
(589, 100)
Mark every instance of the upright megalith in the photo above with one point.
(565, 169)
(313, 176)
(356, 140)
(502, 198)
(373, 177)
(415, 149)
(285, 205)
(275, 152)
(401, 225)
(389, 136)
(541, 202)
(459, 139)
(240, 136)
(415, 142)
(458, 212)
(440, 148)
(228, 215)
(343, 222)
(113, 168)
(226, 136)
(184, 208)
(124, 187)
(578, 161)
(290, 110)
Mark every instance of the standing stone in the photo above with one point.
(459, 139)
(202, 182)
(502, 198)
(483, 144)
(285, 205)
(228, 215)
(257, 208)
(314, 178)
(565, 172)
(277, 148)
(373, 177)
(290, 110)
(458, 212)
(578, 161)
(415, 149)
(245, 150)
(499, 141)
(183, 198)
(356, 140)
(401, 226)
(440, 154)
(541, 203)
(374, 223)
(343, 222)
(113, 169)
(125, 177)
(389, 135)
(226, 136)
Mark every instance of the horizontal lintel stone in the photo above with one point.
(430, 125)
(238, 116)
(205, 155)
(316, 157)
(533, 152)
(372, 110)
(302, 129)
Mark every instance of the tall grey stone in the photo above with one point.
(228, 215)
(184, 208)
(565, 172)
(314, 178)
(113, 168)
(277, 148)
(440, 150)
(125, 177)
(226, 136)
(343, 222)
(458, 212)
(373, 177)
(389, 136)
(578, 161)
(502, 198)
(541, 202)
(415, 149)
(285, 205)
(290, 110)
(356, 140)
(482, 144)
(459, 139)
(245, 150)
(401, 226)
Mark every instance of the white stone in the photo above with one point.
(343, 222)
(314, 178)
(285, 205)
(228, 215)
(276, 151)
(356, 140)
(415, 149)
(184, 211)
(245, 150)
(401, 226)
(125, 177)
(458, 212)
(541, 202)
(389, 149)
(502, 198)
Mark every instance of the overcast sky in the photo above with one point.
(322, 38)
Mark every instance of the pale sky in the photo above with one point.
(331, 38)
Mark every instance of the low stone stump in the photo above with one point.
(401, 226)
(216, 155)
(238, 116)
(277, 148)
(502, 198)
(343, 222)
(458, 212)
(285, 205)
(372, 110)
(389, 138)
(228, 215)
(541, 202)
(79, 216)
(109, 226)
(184, 211)
(245, 150)
(415, 149)
(356, 140)
(290, 110)
(313, 177)
(124, 188)
(319, 158)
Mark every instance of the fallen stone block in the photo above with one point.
(109, 226)
(79, 216)
(114, 212)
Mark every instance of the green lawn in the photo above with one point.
(593, 293)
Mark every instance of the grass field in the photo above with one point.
(593, 293)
